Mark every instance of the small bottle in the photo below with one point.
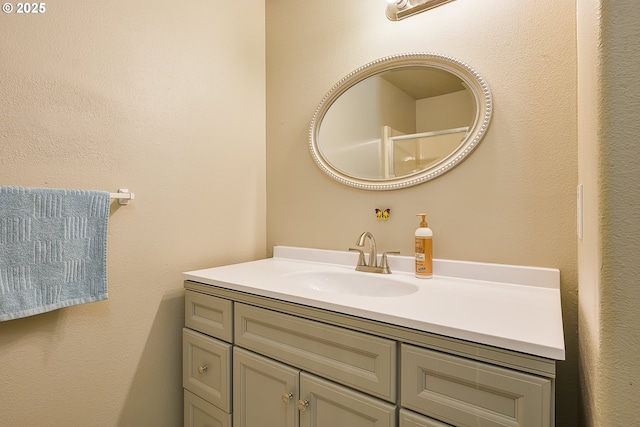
(424, 249)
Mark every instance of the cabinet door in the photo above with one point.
(265, 391)
(200, 413)
(326, 404)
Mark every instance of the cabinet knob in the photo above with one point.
(202, 368)
(286, 398)
(303, 405)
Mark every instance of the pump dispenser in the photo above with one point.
(424, 249)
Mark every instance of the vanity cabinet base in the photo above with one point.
(289, 365)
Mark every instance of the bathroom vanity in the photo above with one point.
(301, 339)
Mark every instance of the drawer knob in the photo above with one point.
(202, 368)
(286, 398)
(303, 405)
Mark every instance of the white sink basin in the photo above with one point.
(350, 283)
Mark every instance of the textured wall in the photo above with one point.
(609, 108)
(590, 103)
(167, 99)
(512, 201)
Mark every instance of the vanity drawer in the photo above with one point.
(464, 392)
(209, 315)
(206, 368)
(200, 413)
(355, 359)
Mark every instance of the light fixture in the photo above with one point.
(400, 9)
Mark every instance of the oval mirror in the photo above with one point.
(400, 121)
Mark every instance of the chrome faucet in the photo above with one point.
(372, 267)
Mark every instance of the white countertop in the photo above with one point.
(511, 307)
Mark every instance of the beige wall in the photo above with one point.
(512, 201)
(167, 99)
(590, 103)
(609, 252)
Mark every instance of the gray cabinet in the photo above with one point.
(290, 365)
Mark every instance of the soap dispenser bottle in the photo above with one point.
(424, 249)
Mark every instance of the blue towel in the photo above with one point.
(53, 249)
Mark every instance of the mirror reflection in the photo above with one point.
(400, 121)
(397, 123)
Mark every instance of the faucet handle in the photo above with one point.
(360, 256)
(385, 263)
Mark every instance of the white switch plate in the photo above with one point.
(579, 210)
